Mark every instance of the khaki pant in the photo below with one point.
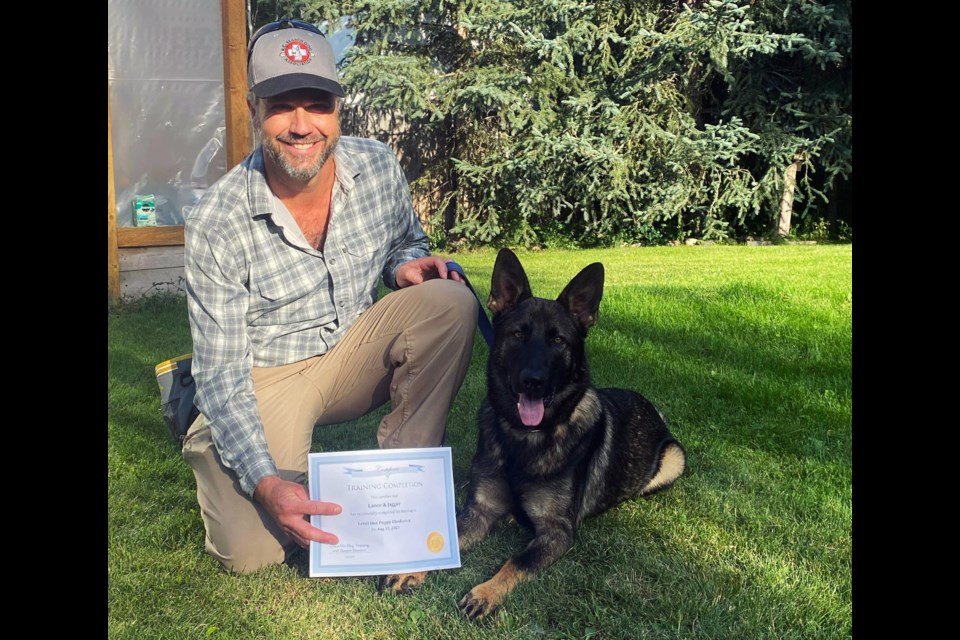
(412, 347)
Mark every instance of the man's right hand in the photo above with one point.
(288, 503)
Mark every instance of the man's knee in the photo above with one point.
(466, 303)
(452, 300)
(239, 533)
(246, 554)
(243, 537)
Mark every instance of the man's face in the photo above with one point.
(298, 130)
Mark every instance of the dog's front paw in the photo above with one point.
(481, 602)
(402, 583)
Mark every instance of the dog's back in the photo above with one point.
(645, 457)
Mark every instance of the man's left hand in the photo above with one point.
(426, 268)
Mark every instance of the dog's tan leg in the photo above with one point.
(402, 583)
(484, 599)
(555, 538)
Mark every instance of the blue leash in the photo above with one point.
(483, 323)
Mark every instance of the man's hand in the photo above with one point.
(288, 503)
(426, 268)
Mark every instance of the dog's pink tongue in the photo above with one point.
(531, 410)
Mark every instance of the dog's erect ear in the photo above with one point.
(509, 285)
(582, 296)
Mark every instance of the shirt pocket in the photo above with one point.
(366, 250)
(279, 286)
(291, 296)
(369, 240)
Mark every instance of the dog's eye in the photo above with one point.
(518, 334)
(558, 339)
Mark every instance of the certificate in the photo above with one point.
(398, 511)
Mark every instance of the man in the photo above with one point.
(283, 256)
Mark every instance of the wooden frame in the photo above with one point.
(113, 249)
(238, 144)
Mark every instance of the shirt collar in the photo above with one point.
(347, 169)
(261, 201)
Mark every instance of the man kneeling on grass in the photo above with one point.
(283, 258)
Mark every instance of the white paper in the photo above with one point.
(398, 511)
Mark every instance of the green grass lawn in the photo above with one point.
(746, 350)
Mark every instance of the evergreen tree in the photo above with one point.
(546, 121)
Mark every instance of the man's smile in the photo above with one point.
(301, 145)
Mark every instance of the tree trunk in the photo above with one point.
(786, 201)
(452, 143)
(832, 211)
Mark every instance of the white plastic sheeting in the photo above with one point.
(165, 72)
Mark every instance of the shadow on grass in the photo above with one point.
(752, 381)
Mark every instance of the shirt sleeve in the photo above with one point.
(411, 242)
(217, 302)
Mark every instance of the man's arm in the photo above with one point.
(217, 301)
(411, 262)
(222, 366)
(411, 242)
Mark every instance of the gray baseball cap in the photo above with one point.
(283, 58)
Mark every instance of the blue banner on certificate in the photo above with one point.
(398, 512)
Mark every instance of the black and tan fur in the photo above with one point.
(552, 448)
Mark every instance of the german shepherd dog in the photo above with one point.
(552, 448)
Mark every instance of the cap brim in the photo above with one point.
(289, 82)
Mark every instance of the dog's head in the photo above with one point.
(581, 297)
(538, 356)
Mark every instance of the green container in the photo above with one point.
(145, 211)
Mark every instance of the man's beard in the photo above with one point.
(302, 173)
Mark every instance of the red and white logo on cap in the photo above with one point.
(297, 52)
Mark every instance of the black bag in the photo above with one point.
(177, 390)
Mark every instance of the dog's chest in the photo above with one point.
(541, 456)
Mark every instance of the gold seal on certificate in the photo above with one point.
(435, 542)
(398, 511)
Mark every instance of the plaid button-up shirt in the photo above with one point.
(259, 296)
